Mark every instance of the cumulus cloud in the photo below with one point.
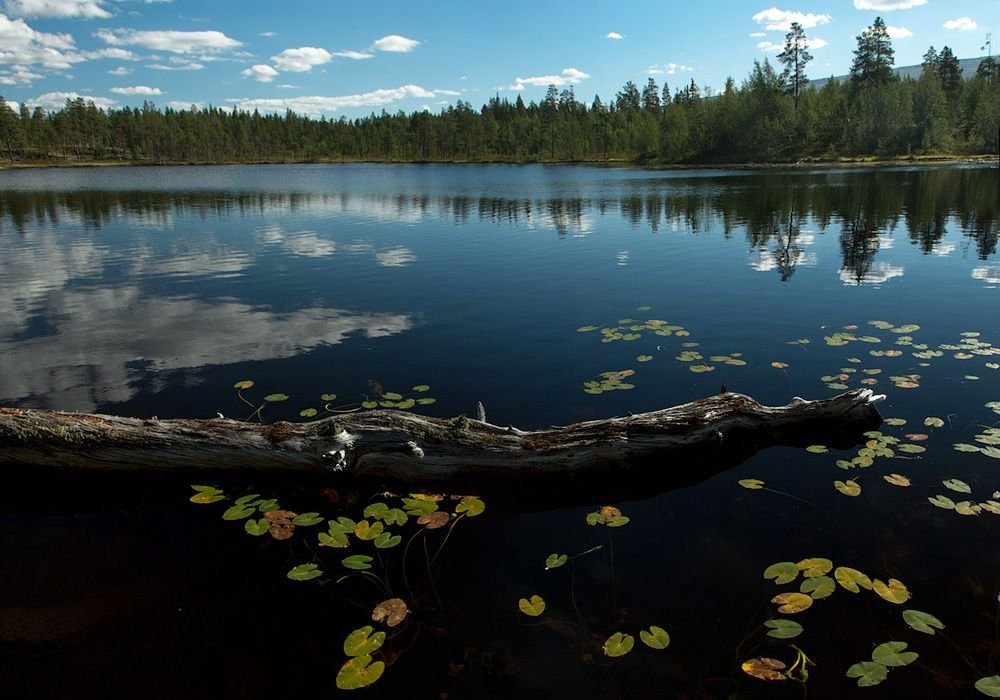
(772, 46)
(193, 65)
(57, 100)
(181, 105)
(20, 45)
(120, 70)
(614, 35)
(964, 24)
(887, 5)
(169, 40)
(395, 43)
(774, 20)
(568, 76)
(268, 34)
(137, 90)
(898, 32)
(261, 72)
(19, 75)
(353, 55)
(317, 105)
(85, 9)
(301, 60)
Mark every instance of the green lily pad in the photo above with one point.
(359, 672)
(369, 404)
(892, 654)
(852, 579)
(819, 587)
(783, 629)
(363, 640)
(848, 488)
(358, 562)
(471, 506)
(308, 519)
(644, 358)
(933, 422)
(533, 606)
(422, 388)
(817, 449)
(392, 396)
(342, 524)
(554, 561)
(304, 572)
(394, 516)
(782, 572)
(942, 502)
(754, 484)
(619, 644)
(387, 540)
(238, 512)
(376, 510)
(328, 397)
(276, 398)
(957, 485)
(868, 673)
(921, 621)
(989, 686)
(893, 592)
(655, 638)
(308, 412)
(257, 527)
(243, 384)
(335, 538)
(814, 566)
(368, 531)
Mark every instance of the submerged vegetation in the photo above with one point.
(771, 117)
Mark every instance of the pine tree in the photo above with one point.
(874, 57)
(651, 97)
(949, 71)
(628, 98)
(794, 58)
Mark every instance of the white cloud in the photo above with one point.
(118, 54)
(286, 86)
(757, 35)
(353, 55)
(268, 34)
(449, 93)
(317, 105)
(86, 9)
(20, 45)
(169, 40)
(672, 68)
(301, 60)
(184, 66)
(395, 43)
(614, 35)
(19, 75)
(568, 76)
(181, 105)
(964, 24)
(769, 46)
(775, 20)
(655, 70)
(137, 90)
(120, 70)
(261, 72)
(57, 100)
(898, 32)
(879, 273)
(887, 5)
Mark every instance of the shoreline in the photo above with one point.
(845, 162)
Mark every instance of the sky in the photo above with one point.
(349, 59)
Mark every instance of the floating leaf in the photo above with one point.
(815, 566)
(764, 668)
(333, 538)
(957, 485)
(387, 540)
(376, 510)
(392, 611)
(534, 606)
(619, 644)
(308, 412)
(358, 562)
(911, 449)
(426, 402)
(304, 572)
(238, 512)
(434, 520)
(422, 388)
(644, 358)
(852, 579)
(342, 524)
(368, 531)
(243, 384)
(942, 502)
(257, 527)
(782, 572)
(921, 621)
(896, 479)
(586, 329)
(967, 508)
(276, 398)
(817, 449)
(359, 672)
(792, 603)
(894, 591)
(363, 640)
(369, 404)
(895, 421)
(917, 437)
(392, 396)
(308, 519)
(779, 365)
(989, 686)
(655, 638)
(819, 587)
(416, 506)
(554, 561)
(394, 516)
(471, 506)
(754, 484)
(868, 673)
(268, 505)
(327, 397)
(933, 422)
(783, 629)
(699, 369)
(206, 497)
(892, 654)
(848, 488)
(991, 452)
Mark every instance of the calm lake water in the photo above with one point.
(152, 291)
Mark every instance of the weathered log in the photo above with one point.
(413, 448)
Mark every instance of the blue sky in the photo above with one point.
(338, 58)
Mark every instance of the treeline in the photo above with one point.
(770, 117)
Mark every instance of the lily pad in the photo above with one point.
(243, 384)
(554, 561)
(894, 592)
(989, 686)
(814, 566)
(852, 579)
(957, 485)
(471, 506)
(783, 629)
(819, 587)
(764, 668)
(363, 640)
(942, 502)
(308, 519)
(358, 562)
(308, 412)
(238, 512)
(619, 644)
(387, 540)
(533, 606)
(257, 527)
(933, 422)
(893, 654)
(868, 673)
(921, 621)
(754, 484)
(391, 611)
(655, 637)
(848, 488)
(792, 603)
(359, 672)
(276, 398)
(896, 479)
(782, 572)
(304, 572)
(817, 449)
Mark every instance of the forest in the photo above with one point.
(774, 116)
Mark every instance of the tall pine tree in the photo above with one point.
(794, 58)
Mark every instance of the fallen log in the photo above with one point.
(389, 444)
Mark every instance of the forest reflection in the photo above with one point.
(774, 211)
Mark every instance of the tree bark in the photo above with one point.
(418, 449)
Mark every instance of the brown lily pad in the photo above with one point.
(391, 611)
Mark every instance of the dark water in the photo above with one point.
(152, 291)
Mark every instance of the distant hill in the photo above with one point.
(969, 67)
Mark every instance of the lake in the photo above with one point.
(153, 291)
